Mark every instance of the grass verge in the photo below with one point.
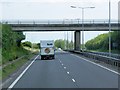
(8, 70)
(101, 50)
(0, 74)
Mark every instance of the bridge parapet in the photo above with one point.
(62, 26)
(70, 21)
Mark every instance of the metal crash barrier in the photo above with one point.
(102, 58)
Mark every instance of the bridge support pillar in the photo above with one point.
(77, 40)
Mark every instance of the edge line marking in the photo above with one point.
(97, 65)
(18, 78)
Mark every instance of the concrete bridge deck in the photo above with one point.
(63, 25)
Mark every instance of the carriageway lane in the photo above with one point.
(46, 74)
(88, 75)
(66, 71)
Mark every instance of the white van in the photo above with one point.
(47, 50)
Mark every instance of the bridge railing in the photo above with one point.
(75, 21)
(106, 59)
(117, 56)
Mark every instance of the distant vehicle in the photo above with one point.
(47, 50)
(59, 49)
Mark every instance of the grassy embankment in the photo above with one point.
(13, 50)
(101, 43)
(103, 50)
(0, 49)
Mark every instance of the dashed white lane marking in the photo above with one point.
(64, 67)
(68, 72)
(97, 65)
(12, 85)
(60, 61)
(73, 80)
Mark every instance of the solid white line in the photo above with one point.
(73, 80)
(68, 72)
(12, 85)
(64, 67)
(97, 65)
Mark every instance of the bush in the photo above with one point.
(101, 42)
(11, 44)
(27, 44)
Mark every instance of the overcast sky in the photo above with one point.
(56, 9)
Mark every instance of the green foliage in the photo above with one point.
(0, 45)
(6, 71)
(116, 39)
(59, 43)
(10, 68)
(102, 42)
(70, 45)
(11, 48)
(0, 36)
(19, 38)
(27, 44)
(31, 45)
(36, 45)
(99, 42)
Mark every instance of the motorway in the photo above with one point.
(65, 71)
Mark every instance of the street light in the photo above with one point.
(109, 28)
(82, 23)
(66, 42)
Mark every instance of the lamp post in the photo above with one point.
(109, 28)
(65, 40)
(82, 23)
(71, 46)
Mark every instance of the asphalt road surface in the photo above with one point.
(66, 71)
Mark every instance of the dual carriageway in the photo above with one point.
(71, 69)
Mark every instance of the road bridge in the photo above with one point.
(62, 25)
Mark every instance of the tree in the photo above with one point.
(27, 44)
(59, 44)
(102, 42)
